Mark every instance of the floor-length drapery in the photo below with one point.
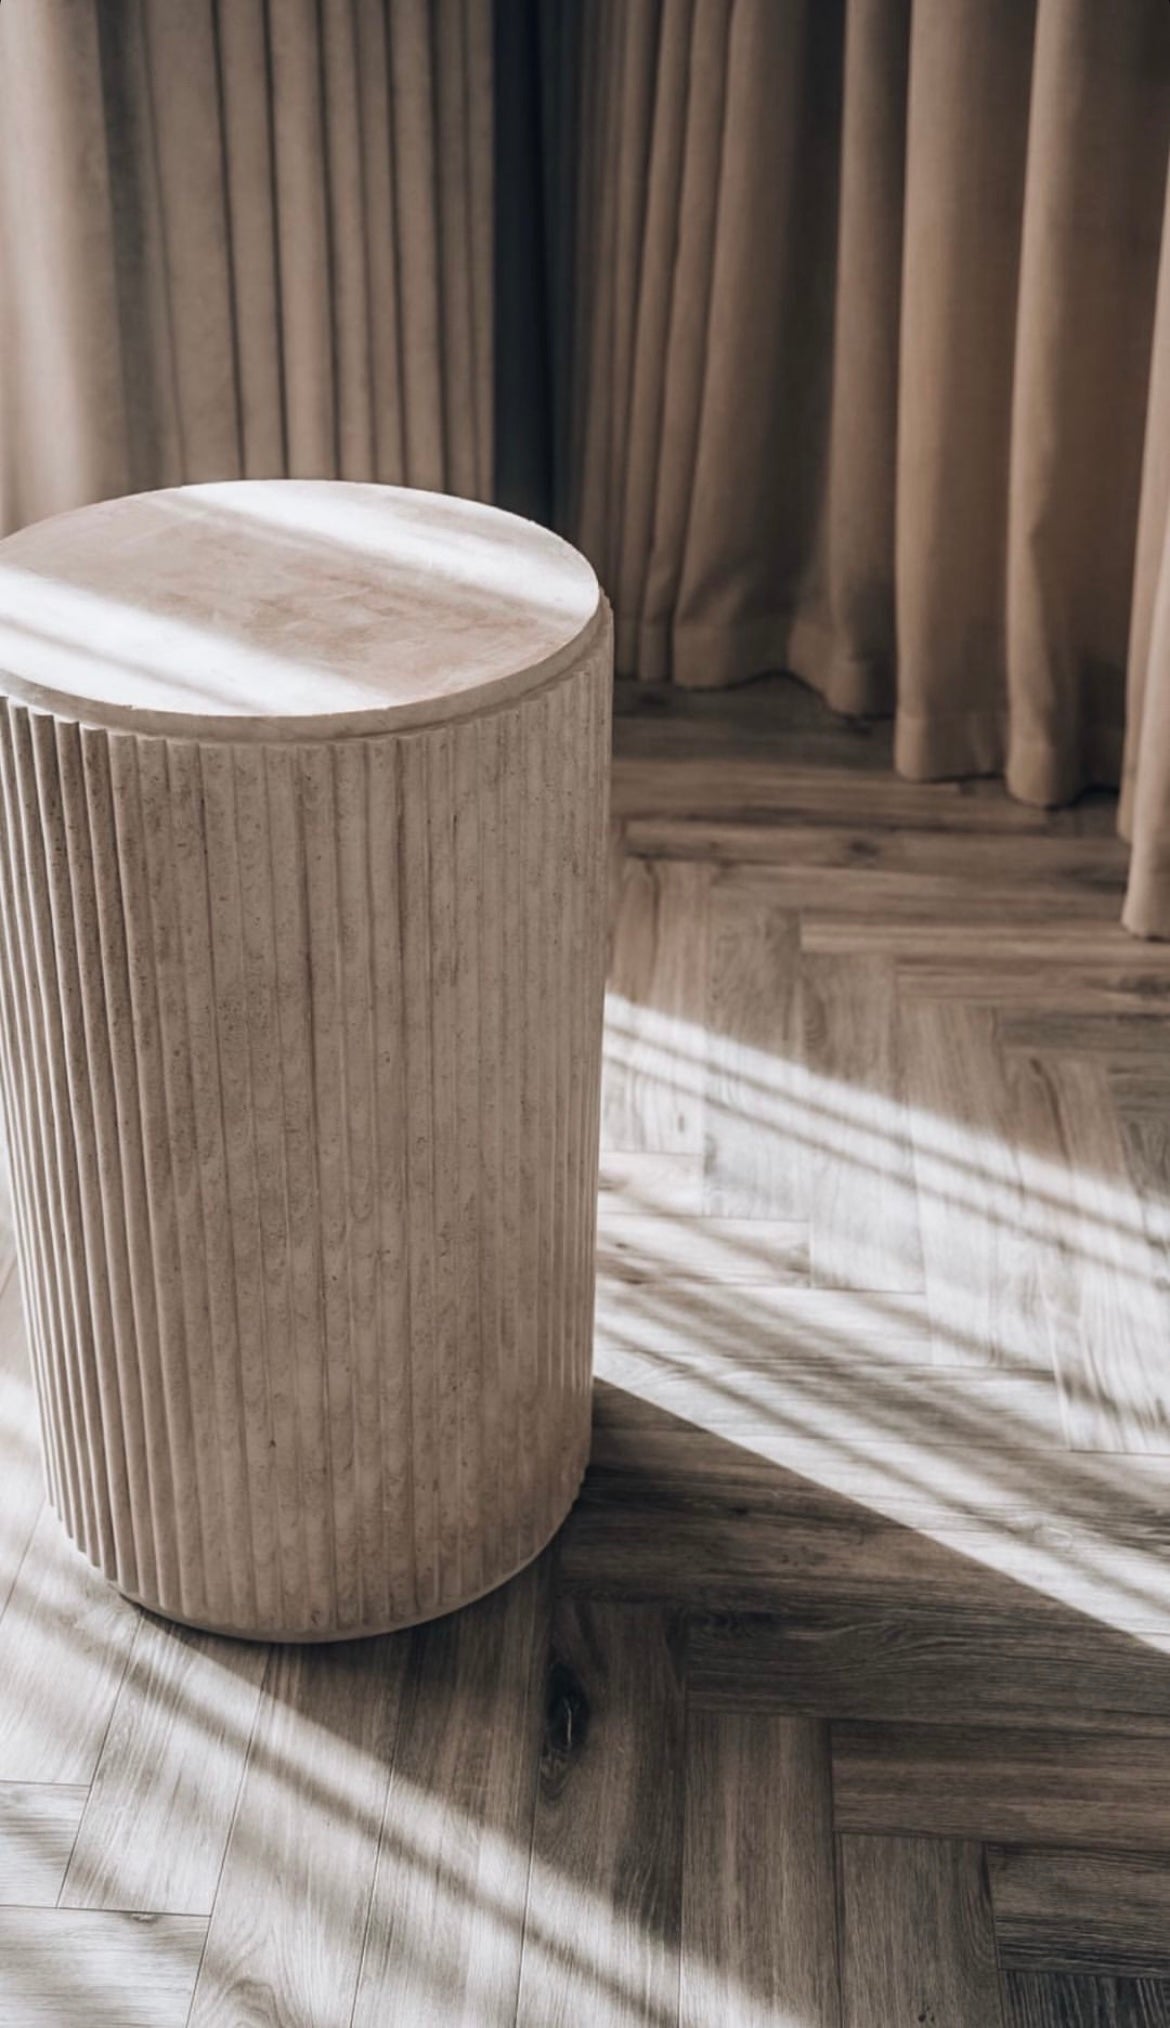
(243, 238)
(872, 376)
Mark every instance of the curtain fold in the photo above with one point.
(865, 303)
(871, 377)
(243, 238)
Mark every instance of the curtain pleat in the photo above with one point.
(243, 238)
(61, 400)
(1145, 784)
(869, 377)
(1097, 153)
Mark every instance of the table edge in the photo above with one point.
(513, 686)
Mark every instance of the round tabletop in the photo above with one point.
(277, 607)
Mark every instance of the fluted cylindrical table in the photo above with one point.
(302, 814)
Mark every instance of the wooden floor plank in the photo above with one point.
(1055, 2000)
(971, 1462)
(821, 790)
(726, 1250)
(1058, 865)
(160, 1810)
(641, 1183)
(1123, 1039)
(601, 1933)
(759, 1898)
(307, 1823)
(755, 1163)
(446, 1916)
(915, 1667)
(64, 1641)
(864, 1206)
(1100, 1912)
(917, 1940)
(1142, 1105)
(21, 1473)
(1047, 1787)
(727, 1560)
(652, 1080)
(981, 1272)
(1109, 1307)
(63, 1966)
(973, 946)
(38, 1824)
(1125, 986)
(766, 1328)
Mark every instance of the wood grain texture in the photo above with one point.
(1107, 1294)
(1101, 1912)
(308, 1816)
(38, 1824)
(1040, 1787)
(652, 1079)
(817, 790)
(641, 1183)
(1034, 1668)
(601, 1933)
(64, 1642)
(301, 1045)
(704, 1250)
(917, 1943)
(808, 1510)
(1055, 2000)
(67, 1965)
(864, 1207)
(20, 1438)
(446, 1919)
(160, 1806)
(985, 1294)
(759, 1810)
(755, 1158)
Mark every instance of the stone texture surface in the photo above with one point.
(301, 1048)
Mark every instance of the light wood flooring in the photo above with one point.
(843, 1700)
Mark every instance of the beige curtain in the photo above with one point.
(873, 373)
(243, 237)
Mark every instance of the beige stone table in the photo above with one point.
(302, 808)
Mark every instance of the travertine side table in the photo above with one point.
(302, 813)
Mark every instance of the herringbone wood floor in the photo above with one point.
(844, 1697)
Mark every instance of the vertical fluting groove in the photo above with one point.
(235, 1101)
(542, 1018)
(395, 1334)
(486, 1143)
(599, 746)
(568, 1093)
(113, 1011)
(222, 1402)
(151, 934)
(21, 1122)
(476, 1518)
(299, 1055)
(328, 1152)
(29, 1265)
(44, 861)
(264, 1069)
(115, 1321)
(307, 1378)
(444, 1163)
(94, 1259)
(414, 874)
(355, 924)
(518, 1232)
(40, 1038)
